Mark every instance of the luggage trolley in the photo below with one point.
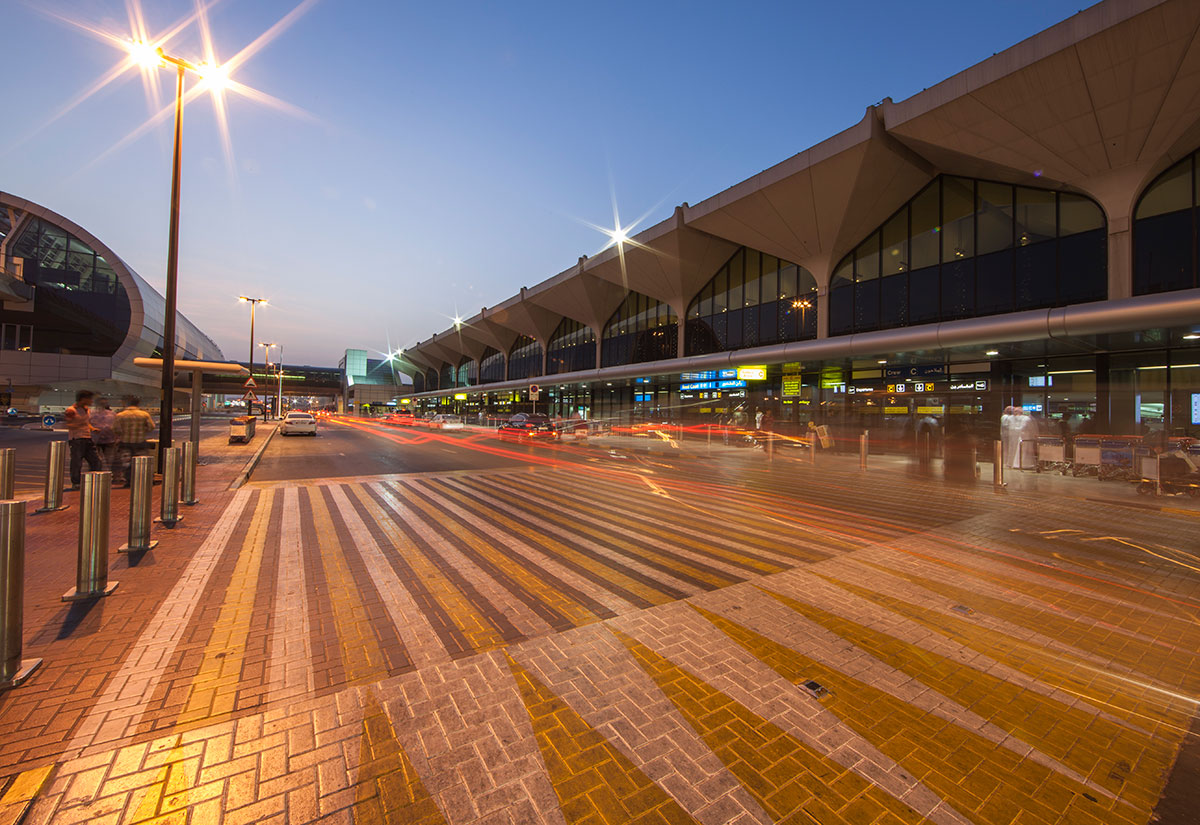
(1116, 458)
(1052, 454)
(1087, 456)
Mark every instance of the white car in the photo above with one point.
(298, 422)
(445, 422)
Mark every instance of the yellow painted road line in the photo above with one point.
(521, 576)
(1121, 758)
(635, 590)
(792, 781)
(478, 633)
(22, 792)
(595, 783)
(213, 690)
(945, 757)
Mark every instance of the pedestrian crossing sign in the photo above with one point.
(249, 396)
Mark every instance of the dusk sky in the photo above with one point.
(434, 158)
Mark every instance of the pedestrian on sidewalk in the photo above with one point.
(103, 436)
(79, 436)
(131, 426)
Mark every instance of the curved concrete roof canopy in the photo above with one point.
(1098, 105)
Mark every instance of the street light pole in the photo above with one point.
(167, 410)
(253, 304)
(279, 398)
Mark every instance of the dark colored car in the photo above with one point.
(528, 427)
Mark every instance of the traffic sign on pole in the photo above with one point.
(250, 383)
(534, 389)
(249, 396)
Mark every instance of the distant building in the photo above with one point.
(74, 315)
(369, 383)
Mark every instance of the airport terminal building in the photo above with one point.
(1023, 233)
(75, 315)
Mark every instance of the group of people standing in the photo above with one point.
(103, 438)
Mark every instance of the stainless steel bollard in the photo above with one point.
(862, 449)
(189, 473)
(91, 572)
(974, 461)
(56, 465)
(998, 463)
(8, 473)
(142, 473)
(812, 448)
(13, 669)
(169, 512)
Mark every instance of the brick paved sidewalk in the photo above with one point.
(588, 646)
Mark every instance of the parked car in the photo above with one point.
(403, 419)
(528, 427)
(445, 422)
(298, 423)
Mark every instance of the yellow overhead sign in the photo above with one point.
(460, 396)
(752, 373)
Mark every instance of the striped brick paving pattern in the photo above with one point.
(586, 647)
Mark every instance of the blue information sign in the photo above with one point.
(47, 421)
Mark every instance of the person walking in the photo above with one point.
(131, 426)
(79, 436)
(103, 436)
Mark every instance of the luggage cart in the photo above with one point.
(1087, 456)
(1052, 454)
(1116, 459)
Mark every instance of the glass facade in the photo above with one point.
(572, 347)
(419, 382)
(1165, 232)
(446, 377)
(80, 307)
(491, 366)
(642, 329)
(963, 248)
(753, 300)
(524, 358)
(467, 373)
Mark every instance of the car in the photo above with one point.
(298, 423)
(528, 427)
(404, 419)
(445, 422)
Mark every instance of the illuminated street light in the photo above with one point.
(254, 302)
(150, 56)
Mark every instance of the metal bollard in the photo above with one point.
(142, 471)
(862, 449)
(974, 461)
(997, 463)
(812, 449)
(169, 513)
(13, 669)
(189, 473)
(56, 462)
(8, 473)
(91, 572)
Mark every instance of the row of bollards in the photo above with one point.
(91, 574)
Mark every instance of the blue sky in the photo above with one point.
(444, 154)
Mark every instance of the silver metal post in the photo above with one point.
(8, 472)
(189, 473)
(13, 669)
(812, 448)
(142, 471)
(56, 461)
(169, 514)
(1158, 474)
(91, 571)
(998, 463)
(974, 461)
(197, 386)
(862, 450)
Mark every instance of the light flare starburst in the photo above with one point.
(144, 51)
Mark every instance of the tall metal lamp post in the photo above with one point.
(254, 302)
(149, 56)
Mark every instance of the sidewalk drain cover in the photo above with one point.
(815, 688)
(963, 609)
